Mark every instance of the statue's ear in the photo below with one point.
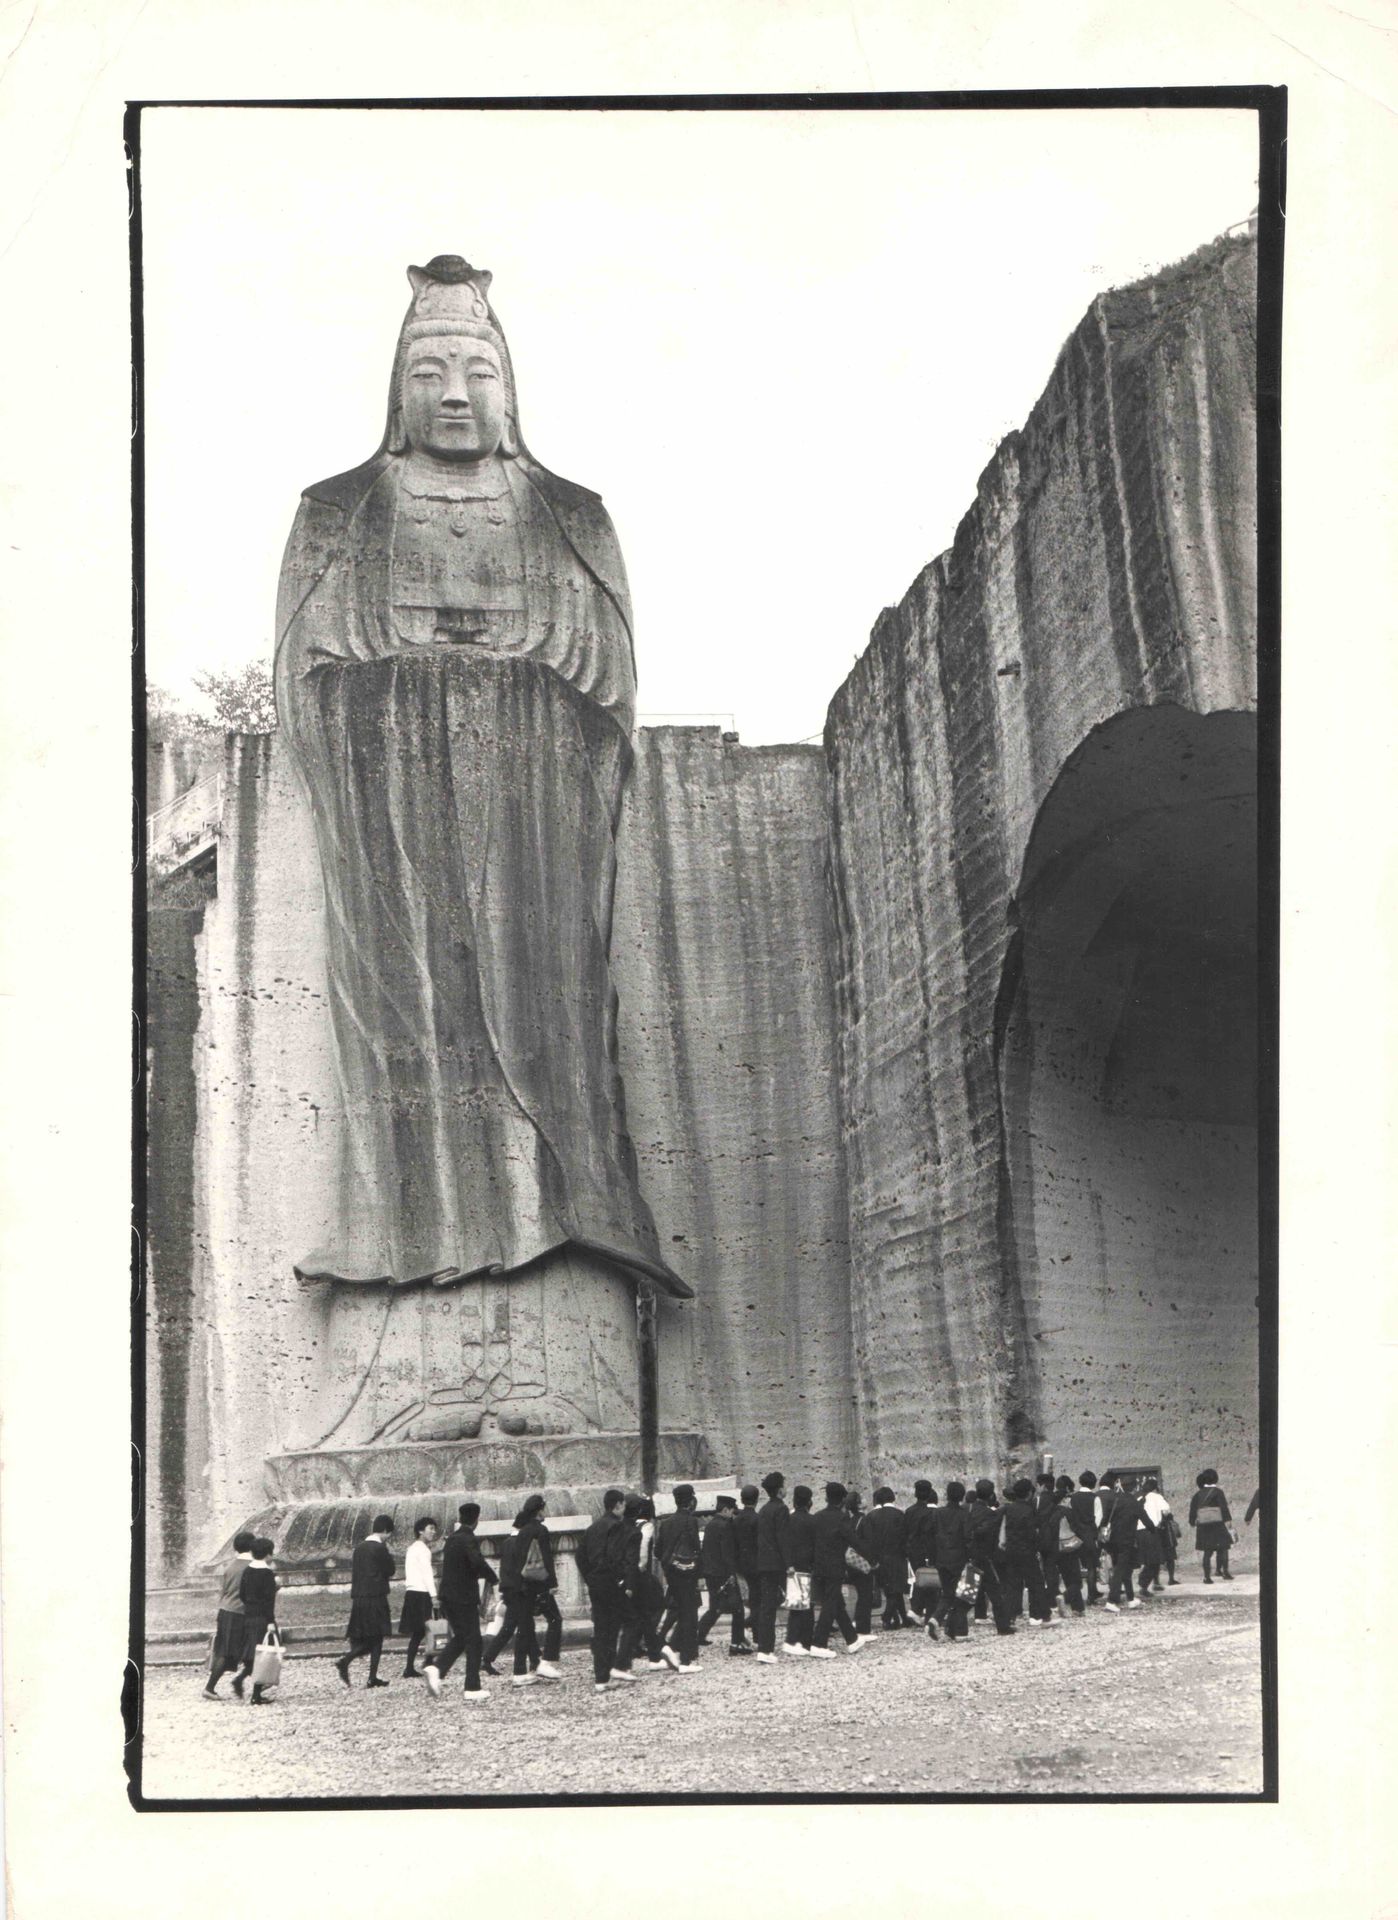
(509, 439)
(417, 279)
(482, 281)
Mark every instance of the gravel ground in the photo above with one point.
(1165, 1700)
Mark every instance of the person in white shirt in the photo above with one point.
(1149, 1543)
(419, 1593)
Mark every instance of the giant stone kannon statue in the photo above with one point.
(456, 682)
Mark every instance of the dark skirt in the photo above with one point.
(369, 1620)
(415, 1613)
(1213, 1537)
(229, 1634)
(254, 1626)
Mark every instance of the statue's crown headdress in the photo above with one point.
(449, 295)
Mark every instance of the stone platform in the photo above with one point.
(324, 1502)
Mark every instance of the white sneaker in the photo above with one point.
(821, 1653)
(797, 1653)
(670, 1657)
(601, 1686)
(474, 1699)
(1132, 1604)
(1052, 1621)
(693, 1667)
(1110, 1606)
(626, 1677)
(657, 1666)
(767, 1660)
(434, 1682)
(524, 1680)
(546, 1670)
(1038, 1623)
(863, 1640)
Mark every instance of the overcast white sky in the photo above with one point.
(782, 346)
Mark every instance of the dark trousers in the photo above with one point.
(464, 1619)
(800, 1624)
(642, 1624)
(1091, 1556)
(683, 1596)
(995, 1596)
(947, 1610)
(1064, 1571)
(1024, 1575)
(770, 1588)
(1123, 1560)
(1148, 1558)
(724, 1593)
(608, 1606)
(828, 1605)
(863, 1584)
(546, 1607)
(922, 1600)
(519, 1621)
(895, 1596)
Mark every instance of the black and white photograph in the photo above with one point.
(696, 954)
(708, 1090)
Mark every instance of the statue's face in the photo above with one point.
(453, 397)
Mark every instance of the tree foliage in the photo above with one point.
(237, 702)
(242, 701)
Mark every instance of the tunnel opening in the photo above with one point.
(1128, 1062)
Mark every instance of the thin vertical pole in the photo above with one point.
(648, 1384)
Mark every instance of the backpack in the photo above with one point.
(1068, 1541)
(534, 1567)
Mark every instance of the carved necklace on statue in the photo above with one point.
(457, 569)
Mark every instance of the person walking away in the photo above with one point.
(677, 1546)
(370, 1621)
(601, 1562)
(953, 1552)
(226, 1653)
(1063, 1550)
(1020, 1522)
(886, 1530)
(258, 1593)
(1124, 1524)
(646, 1592)
(745, 1548)
(1212, 1523)
(834, 1540)
(800, 1544)
(1045, 1499)
(718, 1564)
(920, 1546)
(773, 1559)
(629, 1635)
(466, 1576)
(1154, 1546)
(526, 1565)
(861, 1578)
(540, 1586)
(419, 1592)
(986, 1555)
(1086, 1508)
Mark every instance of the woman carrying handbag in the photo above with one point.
(1212, 1524)
(258, 1592)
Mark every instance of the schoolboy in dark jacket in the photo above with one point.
(466, 1576)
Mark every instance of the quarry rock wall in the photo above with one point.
(1108, 563)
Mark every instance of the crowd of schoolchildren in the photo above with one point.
(658, 1587)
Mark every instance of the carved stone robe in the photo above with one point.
(465, 786)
